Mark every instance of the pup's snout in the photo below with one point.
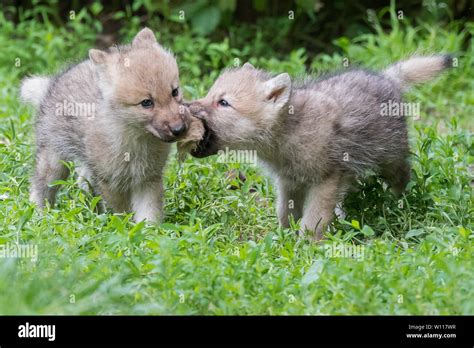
(177, 129)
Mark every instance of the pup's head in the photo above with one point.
(140, 84)
(240, 109)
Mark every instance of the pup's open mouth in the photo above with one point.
(208, 145)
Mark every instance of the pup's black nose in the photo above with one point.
(178, 129)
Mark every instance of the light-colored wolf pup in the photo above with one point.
(317, 136)
(116, 114)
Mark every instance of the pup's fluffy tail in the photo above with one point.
(418, 69)
(33, 89)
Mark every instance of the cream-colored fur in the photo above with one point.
(121, 142)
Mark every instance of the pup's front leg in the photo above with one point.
(147, 201)
(322, 200)
(290, 201)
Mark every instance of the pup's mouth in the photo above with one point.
(208, 145)
(160, 135)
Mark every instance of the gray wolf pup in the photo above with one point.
(316, 137)
(115, 114)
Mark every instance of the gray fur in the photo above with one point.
(320, 138)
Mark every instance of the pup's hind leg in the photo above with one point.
(322, 200)
(86, 183)
(48, 168)
(397, 175)
(290, 201)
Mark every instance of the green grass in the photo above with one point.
(220, 250)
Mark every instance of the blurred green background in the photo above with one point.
(314, 23)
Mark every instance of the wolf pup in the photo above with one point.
(316, 137)
(116, 114)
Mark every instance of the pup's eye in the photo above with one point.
(175, 92)
(147, 103)
(223, 103)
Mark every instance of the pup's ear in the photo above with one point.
(278, 89)
(145, 38)
(97, 56)
(248, 66)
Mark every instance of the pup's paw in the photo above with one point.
(197, 110)
(193, 136)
